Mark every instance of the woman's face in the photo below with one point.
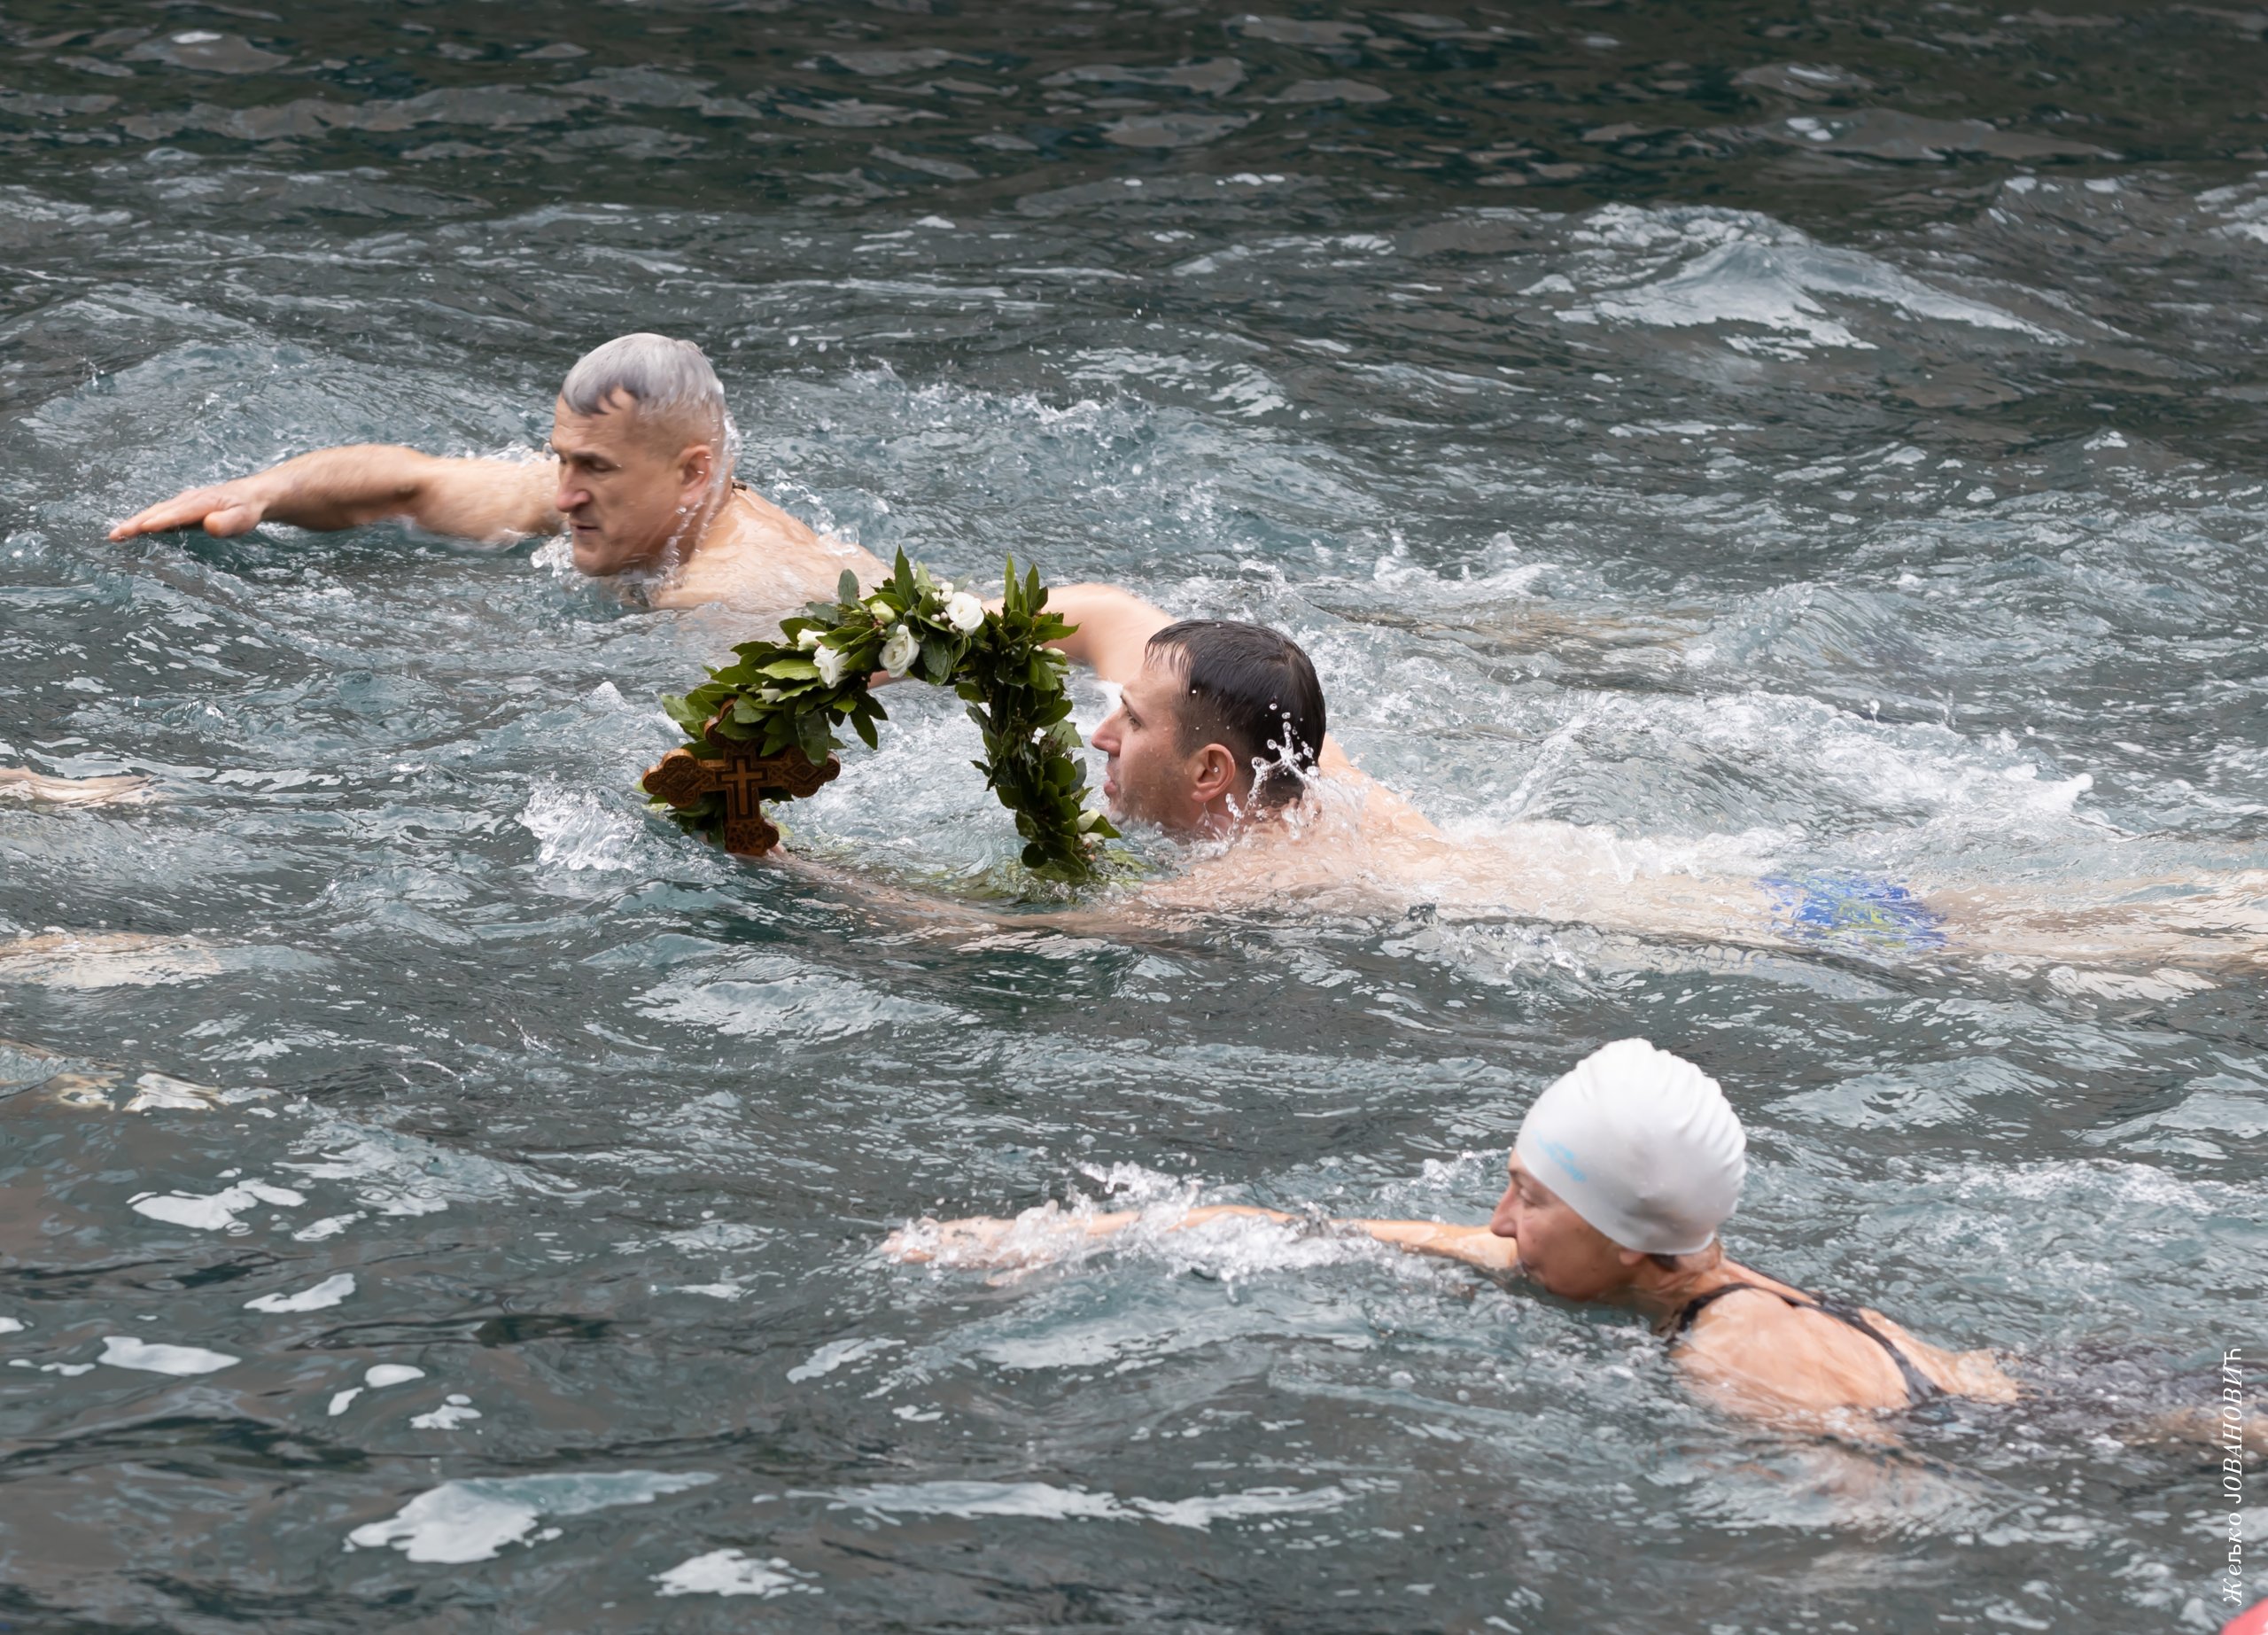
(1559, 1249)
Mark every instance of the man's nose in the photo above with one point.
(1105, 739)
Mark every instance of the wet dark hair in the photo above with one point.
(1251, 689)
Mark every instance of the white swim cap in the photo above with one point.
(1641, 1144)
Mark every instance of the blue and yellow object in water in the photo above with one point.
(1828, 906)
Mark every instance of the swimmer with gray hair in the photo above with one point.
(638, 475)
(1621, 1175)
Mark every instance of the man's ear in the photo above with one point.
(695, 465)
(1215, 773)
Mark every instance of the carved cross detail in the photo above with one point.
(745, 779)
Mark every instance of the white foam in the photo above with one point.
(832, 1356)
(157, 1092)
(557, 555)
(146, 1356)
(454, 1522)
(1246, 391)
(1752, 270)
(398, 1174)
(1039, 1500)
(8, 1325)
(341, 1401)
(379, 1375)
(1044, 1501)
(579, 831)
(329, 1292)
(1733, 284)
(455, 1412)
(107, 960)
(729, 1572)
(1773, 286)
(217, 1212)
(775, 998)
(1203, 1511)
(472, 1520)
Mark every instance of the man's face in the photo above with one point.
(1559, 1249)
(1148, 778)
(619, 487)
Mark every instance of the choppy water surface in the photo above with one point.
(449, 1199)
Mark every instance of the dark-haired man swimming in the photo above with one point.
(1219, 736)
(639, 476)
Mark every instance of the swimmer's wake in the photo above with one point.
(764, 727)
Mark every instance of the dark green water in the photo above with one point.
(1781, 435)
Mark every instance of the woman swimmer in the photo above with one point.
(1620, 1178)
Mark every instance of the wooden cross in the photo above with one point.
(745, 779)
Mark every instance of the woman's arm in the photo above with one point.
(1475, 1246)
(1039, 1235)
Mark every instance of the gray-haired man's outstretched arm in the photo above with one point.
(492, 501)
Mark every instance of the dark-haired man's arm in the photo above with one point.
(1114, 628)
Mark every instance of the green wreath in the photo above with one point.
(794, 694)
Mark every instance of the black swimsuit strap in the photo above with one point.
(1919, 1386)
(1685, 1314)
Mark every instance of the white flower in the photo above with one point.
(900, 652)
(808, 640)
(944, 587)
(964, 612)
(829, 661)
(880, 610)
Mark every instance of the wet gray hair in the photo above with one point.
(670, 380)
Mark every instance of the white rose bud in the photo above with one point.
(964, 612)
(880, 610)
(830, 665)
(808, 640)
(900, 652)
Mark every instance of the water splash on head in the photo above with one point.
(1288, 772)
